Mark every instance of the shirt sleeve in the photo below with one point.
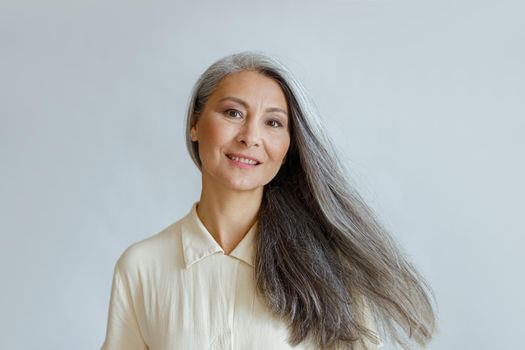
(122, 331)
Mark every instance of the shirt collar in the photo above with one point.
(198, 243)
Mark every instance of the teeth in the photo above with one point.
(243, 160)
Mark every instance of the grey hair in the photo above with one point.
(324, 263)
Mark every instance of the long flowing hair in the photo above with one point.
(324, 263)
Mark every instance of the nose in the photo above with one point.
(249, 133)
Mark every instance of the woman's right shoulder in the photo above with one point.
(153, 251)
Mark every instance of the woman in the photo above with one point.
(279, 251)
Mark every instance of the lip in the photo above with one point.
(240, 155)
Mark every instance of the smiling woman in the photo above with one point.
(242, 134)
(279, 252)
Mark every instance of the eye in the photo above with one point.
(231, 113)
(275, 123)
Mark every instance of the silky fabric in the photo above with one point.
(178, 290)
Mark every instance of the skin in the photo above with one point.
(231, 196)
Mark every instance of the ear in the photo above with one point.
(193, 133)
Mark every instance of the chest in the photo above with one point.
(211, 305)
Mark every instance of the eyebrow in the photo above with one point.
(242, 102)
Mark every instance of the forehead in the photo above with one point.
(253, 87)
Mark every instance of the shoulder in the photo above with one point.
(156, 251)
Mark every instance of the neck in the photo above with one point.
(228, 215)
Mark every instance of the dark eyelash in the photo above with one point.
(279, 124)
(232, 110)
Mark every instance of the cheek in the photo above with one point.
(279, 148)
(213, 135)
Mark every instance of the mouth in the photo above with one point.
(242, 162)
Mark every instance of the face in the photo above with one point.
(243, 132)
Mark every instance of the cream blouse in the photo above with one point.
(177, 290)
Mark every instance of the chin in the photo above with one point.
(244, 186)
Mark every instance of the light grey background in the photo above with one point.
(423, 98)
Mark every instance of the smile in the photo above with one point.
(242, 162)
